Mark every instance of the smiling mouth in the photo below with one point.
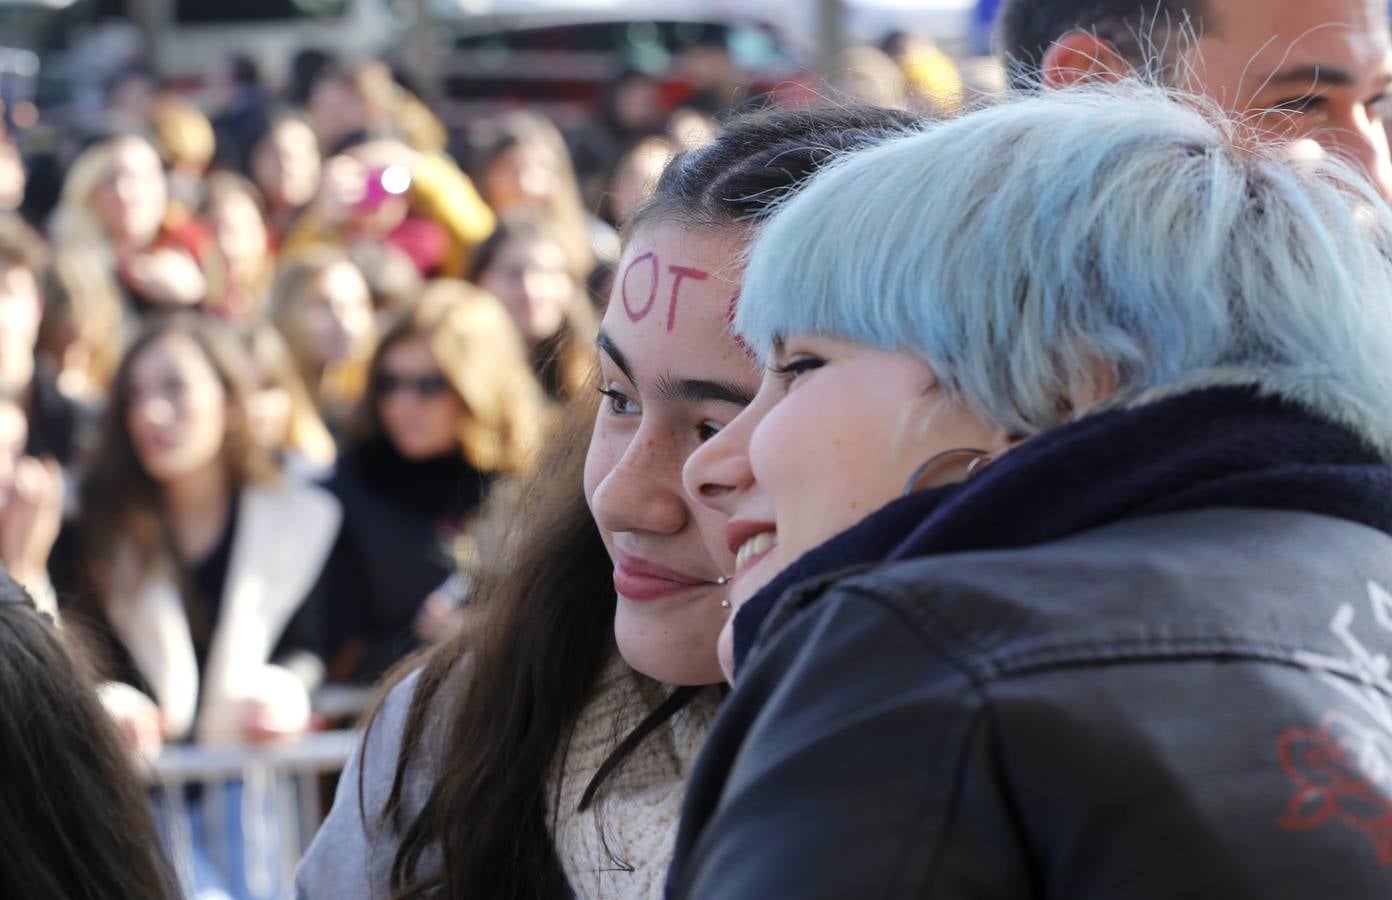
(755, 548)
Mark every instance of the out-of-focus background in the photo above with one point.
(289, 292)
(467, 59)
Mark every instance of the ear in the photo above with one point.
(1097, 385)
(1081, 56)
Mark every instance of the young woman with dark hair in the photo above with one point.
(543, 751)
(210, 618)
(74, 820)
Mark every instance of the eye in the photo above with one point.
(801, 365)
(619, 403)
(1302, 105)
(1377, 107)
(707, 430)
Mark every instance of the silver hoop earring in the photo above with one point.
(978, 456)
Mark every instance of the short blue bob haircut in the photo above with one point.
(1018, 248)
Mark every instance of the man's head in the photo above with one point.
(21, 263)
(1315, 69)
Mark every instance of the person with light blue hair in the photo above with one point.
(1062, 521)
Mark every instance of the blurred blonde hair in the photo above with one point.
(82, 306)
(479, 352)
(868, 75)
(306, 434)
(74, 221)
(183, 135)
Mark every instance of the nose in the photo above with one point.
(156, 411)
(1362, 140)
(719, 471)
(643, 491)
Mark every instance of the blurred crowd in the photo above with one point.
(264, 364)
(884, 562)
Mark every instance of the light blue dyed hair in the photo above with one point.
(1016, 248)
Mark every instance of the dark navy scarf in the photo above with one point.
(1221, 447)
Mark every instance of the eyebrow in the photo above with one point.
(688, 390)
(607, 345)
(1326, 75)
(701, 390)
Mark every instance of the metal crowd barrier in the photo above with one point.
(275, 786)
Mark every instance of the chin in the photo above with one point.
(666, 655)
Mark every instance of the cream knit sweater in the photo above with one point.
(621, 846)
(618, 848)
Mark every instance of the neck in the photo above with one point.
(200, 493)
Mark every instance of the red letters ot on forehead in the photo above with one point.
(639, 313)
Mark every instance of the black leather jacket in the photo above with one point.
(1191, 705)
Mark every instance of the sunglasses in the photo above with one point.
(425, 387)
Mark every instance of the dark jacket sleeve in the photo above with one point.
(837, 766)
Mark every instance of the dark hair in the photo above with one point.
(759, 160)
(74, 819)
(119, 498)
(1026, 28)
(242, 157)
(546, 611)
(244, 71)
(305, 68)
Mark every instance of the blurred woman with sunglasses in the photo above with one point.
(451, 405)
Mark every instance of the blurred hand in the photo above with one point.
(438, 618)
(31, 513)
(167, 277)
(138, 721)
(262, 725)
(276, 708)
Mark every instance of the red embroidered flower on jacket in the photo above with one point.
(1331, 786)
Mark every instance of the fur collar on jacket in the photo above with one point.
(284, 534)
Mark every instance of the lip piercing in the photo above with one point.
(725, 604)
(722, 580)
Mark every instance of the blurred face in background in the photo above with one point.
(133, 199)
(20, 311)
(269, 410)
(241, 236)
(531, 276)
(336, 110)
(636, 177)
(638, 105)
(286, 164)
(177, 410)
(524, 175)
(337, 315)
(417, 406)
